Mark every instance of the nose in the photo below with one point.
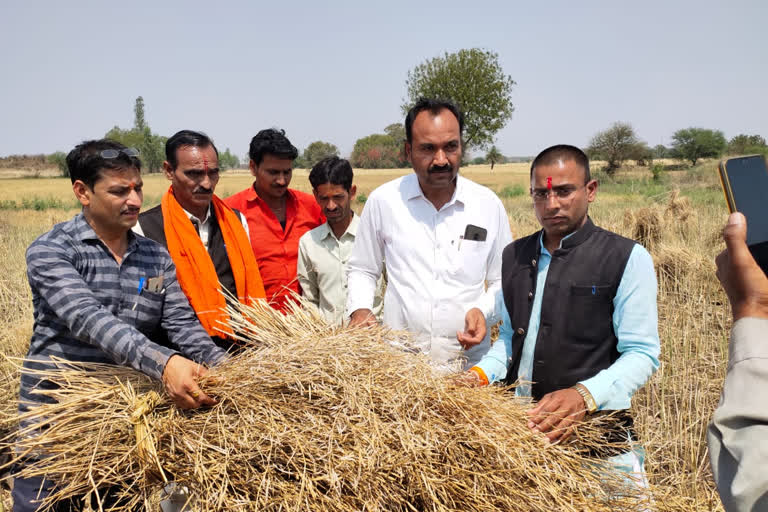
(440, 158)
(281, 179)
(552, 201)
(331, 206)
(135, 198)
(206, 181)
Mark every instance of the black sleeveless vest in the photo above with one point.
(151, 223)
(576, 338)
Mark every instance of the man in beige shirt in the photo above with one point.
(324, 251)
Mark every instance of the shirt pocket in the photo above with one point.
(148, 313)
(469, 261)
(589, 311)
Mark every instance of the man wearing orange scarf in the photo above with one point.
(207, 240)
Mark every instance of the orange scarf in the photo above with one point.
(194, 267)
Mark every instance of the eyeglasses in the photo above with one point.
(564, 192)
(109, 154)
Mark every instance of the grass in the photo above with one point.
(672, 410)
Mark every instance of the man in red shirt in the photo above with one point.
(277, 215)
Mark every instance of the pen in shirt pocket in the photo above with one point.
(142, 280)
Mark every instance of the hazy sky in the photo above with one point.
(336, 71)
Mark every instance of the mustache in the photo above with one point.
(130, 210)
(202, 190)
(440, 168)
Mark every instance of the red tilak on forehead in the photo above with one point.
(549, 182)
(205, 164)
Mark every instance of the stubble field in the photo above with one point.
(678, 218)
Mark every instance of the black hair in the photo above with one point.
(434, 106)
(334, 170)
(186, 138)
(563, 152)
(85, 162)
(273, 142)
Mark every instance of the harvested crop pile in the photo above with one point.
(312, 418)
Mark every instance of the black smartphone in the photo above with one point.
(475, 233)
(745, 183)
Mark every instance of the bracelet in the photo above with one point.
(589, 400)
(480, 374)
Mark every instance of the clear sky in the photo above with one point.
(336, 71)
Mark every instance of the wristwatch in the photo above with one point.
(589, 400)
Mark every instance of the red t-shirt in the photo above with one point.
(276, 249)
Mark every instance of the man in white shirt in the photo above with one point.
(324, 251)
(207, 240)
(441, 237)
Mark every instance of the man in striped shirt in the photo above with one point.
(100, 293)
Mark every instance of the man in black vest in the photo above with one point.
(579, 327)
(193, 169)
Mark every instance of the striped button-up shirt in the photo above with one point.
(87, 307)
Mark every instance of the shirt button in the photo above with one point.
(530, 295)
(533, 262)
(520, 331)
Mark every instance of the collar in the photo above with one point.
(193, 218)
(413, 190)
(83, 232)
(326, 230)
(570, 240)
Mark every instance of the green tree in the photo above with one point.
(694, 143)
(228, 160)
(661, 151)
(318, 150)
(377, 151)
(474, 79)
(59, 159)
(743, 144)
(139, 124)
(614, 145)
(396, 131)
(493, 156)
(478, 160)
(151, 146)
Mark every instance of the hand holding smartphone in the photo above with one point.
(745, 183)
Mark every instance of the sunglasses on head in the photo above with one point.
(114, 153)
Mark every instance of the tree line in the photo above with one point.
(619, 143)
(475, 80)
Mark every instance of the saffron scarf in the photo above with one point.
(194, 267)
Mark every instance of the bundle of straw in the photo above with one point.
(310, 417)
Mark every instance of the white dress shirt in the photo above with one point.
(322, 270)
(434, 275)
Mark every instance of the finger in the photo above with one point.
(735, 235)
(721, 261)
(549, 421)
(561, 431)
(183, 401)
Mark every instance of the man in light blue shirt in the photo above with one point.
(578, 303)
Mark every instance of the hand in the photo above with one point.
(474, 329)
(180, 378)
(362, 318)
(468, 379)
(742, 279)
(556, 413)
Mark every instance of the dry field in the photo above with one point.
(680, 229)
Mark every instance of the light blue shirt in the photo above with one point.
(635, 322)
